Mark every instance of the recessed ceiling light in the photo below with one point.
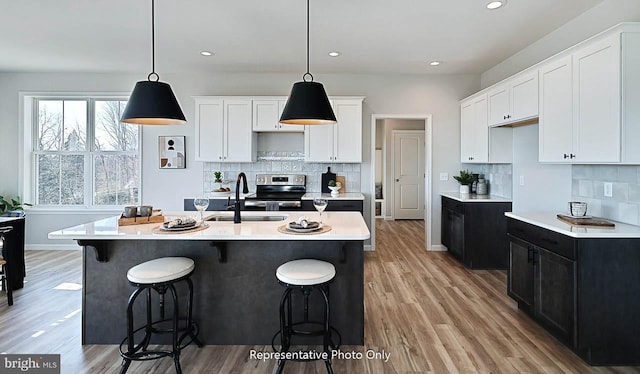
(496, 4)
(434, 63)
(206, 53)
(334, 54)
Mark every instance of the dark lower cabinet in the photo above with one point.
(520, 273)
(555, 298)
(475, 233)
(585, 291)
(336, 206)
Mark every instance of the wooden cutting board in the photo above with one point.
(340, 179)
(585, 221)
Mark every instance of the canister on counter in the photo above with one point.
(482, 187)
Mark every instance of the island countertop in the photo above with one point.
(344, 226)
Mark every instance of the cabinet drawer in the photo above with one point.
(452, 204)
(560, 244)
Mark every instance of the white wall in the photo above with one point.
(389, 94)
(547, 187)
(589, 23)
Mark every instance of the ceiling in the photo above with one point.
(374, 36)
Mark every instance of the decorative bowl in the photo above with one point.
(577, 208)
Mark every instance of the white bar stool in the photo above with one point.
(159, 275)
(305, 275)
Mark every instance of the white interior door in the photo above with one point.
(408, 174)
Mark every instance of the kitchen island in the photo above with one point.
(236, 293)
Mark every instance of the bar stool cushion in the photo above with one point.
(306, 272)
(162, 269)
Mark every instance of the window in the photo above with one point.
(83, 156)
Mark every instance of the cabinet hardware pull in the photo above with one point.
(504, 117)
(571, 155)
(565, 156)
(508, 115)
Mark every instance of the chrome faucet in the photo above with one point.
(245, 189)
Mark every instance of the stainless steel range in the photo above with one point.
(277, 191)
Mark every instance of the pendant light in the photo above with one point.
(308, 103)
(152, 102)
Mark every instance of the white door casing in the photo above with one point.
(408, 174)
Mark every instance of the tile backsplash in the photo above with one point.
(624, 204)
(500, 177)
(284, 163)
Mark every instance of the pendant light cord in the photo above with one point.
(153, 42)
(307, 73)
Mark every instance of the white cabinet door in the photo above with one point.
(238, 135)
(348, 131)
(481, 134)
(318, 143)
(209, 129)
(266, 116)
(474, 132)
(597, 101)
(466, 131)
(524, 96)
(498, 101)
(556, 111)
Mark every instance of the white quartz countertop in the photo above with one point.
(550, 221)
(473, 198)
(344, 226)
(328, 196)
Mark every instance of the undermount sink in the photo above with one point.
(248, 218)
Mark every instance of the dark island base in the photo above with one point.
(235, 302)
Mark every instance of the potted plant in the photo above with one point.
(465, 179)
(12, 207)
(218, 176)
(334, 187)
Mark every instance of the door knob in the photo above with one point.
(397, 180)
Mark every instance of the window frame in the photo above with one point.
(28, 163)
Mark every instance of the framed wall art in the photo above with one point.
(171, 152)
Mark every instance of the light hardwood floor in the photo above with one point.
(431, 314)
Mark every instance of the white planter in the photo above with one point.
(464, 188)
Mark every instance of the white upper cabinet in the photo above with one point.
(556, 111)
(581, 104)
(474, 133)
(266, 116)
(524, 96)
(596, 86)
(224, 130)
(514, 100)
(339, 143)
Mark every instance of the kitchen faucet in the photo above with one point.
(245, 189)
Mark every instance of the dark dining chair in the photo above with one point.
(6, 281)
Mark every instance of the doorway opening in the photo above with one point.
(400, 191)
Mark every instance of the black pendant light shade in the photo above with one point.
(308, 105)
(153, 103)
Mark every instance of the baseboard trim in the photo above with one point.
(57, 247)
(437, 248)
(368, 248)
